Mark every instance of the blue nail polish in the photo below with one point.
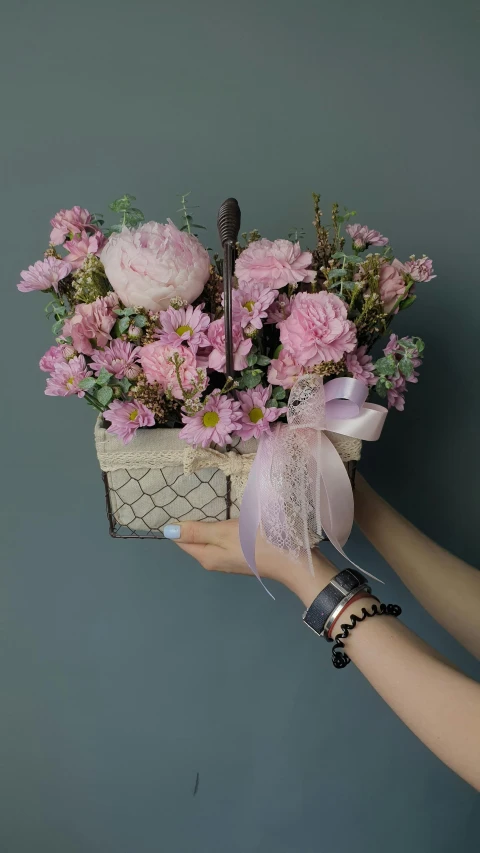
(171, 531)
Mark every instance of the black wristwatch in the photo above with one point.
(323, 611)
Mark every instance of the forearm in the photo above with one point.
(446, 586)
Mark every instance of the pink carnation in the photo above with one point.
(54, 355)
(317, 329)
(118, 357)
(44, 274)
(92, 321)
(126, 418)
(250, 302)
(274, 264)
(216, 339)
(360, 365)
(284, 370)
(66, 376)
(184, 325)
(279, 310)
(68, 222)
(421, 269)
(256, 417)
(363, 236)
(216, 422)
(157, 361)
(391, 284)
(84, 244)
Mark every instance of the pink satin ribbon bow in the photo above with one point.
(298, 484)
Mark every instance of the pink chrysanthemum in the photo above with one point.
(216, 422)
(117, 357)
(184, 325)
(44, 274)
(421, 269)
(54, 355)
(84, 244)
(279, 309)
(255, 416)
(158, 364)
(395, 395)
(363, 236)
(250, 302)
(68, 222)
(216, 339)
(65, 378)
(274, 264)
(92, 321)
(317, 329)
(360, 365)
(284, 370)
(126, 418)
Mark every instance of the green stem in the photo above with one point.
(94, 402)
(400, 299)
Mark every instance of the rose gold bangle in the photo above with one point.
(358, 597)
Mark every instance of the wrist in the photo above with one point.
(307, 586)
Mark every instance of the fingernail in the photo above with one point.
(171, 531)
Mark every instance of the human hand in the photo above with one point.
(216, 546)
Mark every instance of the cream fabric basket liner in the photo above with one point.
(158, 478)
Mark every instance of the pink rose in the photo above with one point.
(284, 370)
(67, 222)
(149, 265)
(317, 329)
(391, 284)
(157, 362)
(92, 321)
(274, 264)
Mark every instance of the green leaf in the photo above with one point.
(272, 403)
(97, 219)
(123, 324)
(385, 366)
(251, 378)
(60, 311)
(405, 367)
(121, 204)
(194, 225)
(140, 321)
(104, 395)
(348, 285)
(251, 359)
(88, 383)
(381, 389)
(68, 339)
(57, 327)
(407, 302)
(104, 377)
(419, 344)
(278, 392)
(278, 351)
(113, 229)
(337, 273)
(125, 385)
(262, 360)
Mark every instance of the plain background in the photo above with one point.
(126, 669)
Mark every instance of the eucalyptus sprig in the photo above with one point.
(130, 216)
(186, 216)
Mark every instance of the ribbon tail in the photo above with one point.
(249, 521)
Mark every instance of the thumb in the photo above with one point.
(194, 532)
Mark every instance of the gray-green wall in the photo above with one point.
(126, 669)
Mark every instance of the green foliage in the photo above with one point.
(104, 377)
(296, 234)
(278, 392)
(130, 216)
(57, 327)
(88, 383)
(104, 394)
(385, 366)
(250, 378)
(186, 216)
(407, 302)
(140, 321)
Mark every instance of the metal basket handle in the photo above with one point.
(228, 223)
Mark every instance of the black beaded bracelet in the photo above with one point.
(340, 659)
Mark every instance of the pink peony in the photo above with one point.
(82, 245)
(391, 284)
(92, 321)
(216, 338)
(279, 310)
(65, 378)
(157, 362)
(284, 370)
(186, 325)
(255, 416)
(421, 269)
(67, 223)
(360, 365)
(44, 274)
(274, 264)
(54, 355)
(250, 302)
(149, 265)
(362, 236)
(118, 357)
(216, 422)
(317, 329)
(126, 418)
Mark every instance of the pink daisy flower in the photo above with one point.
(67, 222)
(250, 302)
(421, 269)
(216, 339)
(363, 236)
(184, 325)
(65, 378)
(215, 422)
(118, 357)
(274, 264)
(44, 274)
(54, 355)
(255, 416)
(360, 365)
(84, 244)
(126, 418)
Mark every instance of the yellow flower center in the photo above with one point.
(210, 419)
(69, 382)
(249, 305)
(133, 415)
(182, 329)
(255, 415)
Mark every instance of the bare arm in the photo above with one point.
(446, 586)
(438, 703)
